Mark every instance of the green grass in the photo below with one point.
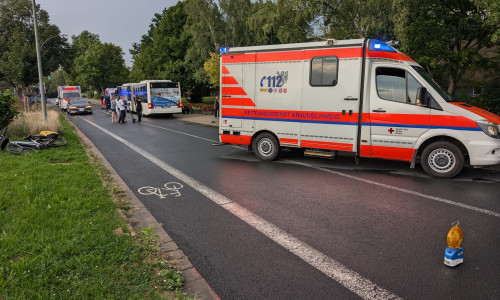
(56, 232)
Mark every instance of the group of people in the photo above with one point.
(118, 107)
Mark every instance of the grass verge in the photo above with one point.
(61, 236)
(32, 123)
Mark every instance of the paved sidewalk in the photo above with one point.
(204, 119)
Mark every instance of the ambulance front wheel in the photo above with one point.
(266, 146)
(442, 160)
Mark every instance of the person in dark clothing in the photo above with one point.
(216, 106)
(138, 108)
(107, 102)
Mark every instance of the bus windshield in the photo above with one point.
(446, 96)
(165, 93)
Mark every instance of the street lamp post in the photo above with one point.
(54, 36)
(39, 60)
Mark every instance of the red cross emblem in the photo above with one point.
(391, 130)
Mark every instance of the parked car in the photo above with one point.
(79, 105)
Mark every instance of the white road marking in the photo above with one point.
(180, 132)
(395, 188)
(351, 280)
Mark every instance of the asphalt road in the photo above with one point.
(306, 228)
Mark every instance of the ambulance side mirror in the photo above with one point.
(422, 97)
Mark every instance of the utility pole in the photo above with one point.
(39, 60)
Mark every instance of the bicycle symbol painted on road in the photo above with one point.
(170, 188)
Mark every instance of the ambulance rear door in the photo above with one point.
(233, 93)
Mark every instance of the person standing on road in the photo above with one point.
(123, 111)
(216, 106)
(107, 102)
(114, 117)
(125, 102)
(138, 108)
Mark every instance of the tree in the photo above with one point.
(59, 78)
(280, 22)
(79, 47)
(102, 66)
(212, 67)
(343, 19)
(446, 37)
(83, 41)
(7, 110)
(161, 53)
(492, 8)
(235, 14)
(18, 62)
(206, 28)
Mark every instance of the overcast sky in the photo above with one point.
(121, 22)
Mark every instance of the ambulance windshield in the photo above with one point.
(447, 97)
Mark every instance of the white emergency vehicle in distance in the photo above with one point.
(66, 92)
(359, 96)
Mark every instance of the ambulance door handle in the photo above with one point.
(381, 110)
(349, 98)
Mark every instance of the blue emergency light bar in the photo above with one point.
(223, 50)
(376, 45)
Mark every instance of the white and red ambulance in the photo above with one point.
(66, 92)
(359, 96)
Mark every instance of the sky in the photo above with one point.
(121, 22)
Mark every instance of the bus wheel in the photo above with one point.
(266, 146)
(442, 160)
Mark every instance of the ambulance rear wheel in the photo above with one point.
(266, 146)
(442, 160)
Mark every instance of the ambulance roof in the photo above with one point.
(281, 47)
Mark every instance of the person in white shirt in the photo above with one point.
(122, 107)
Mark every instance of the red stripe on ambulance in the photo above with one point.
(229, 80)
(233, 91)
(237, 101)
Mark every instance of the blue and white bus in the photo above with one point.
(157, 97)
(125, 90)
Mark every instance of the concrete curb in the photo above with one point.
(194, 284)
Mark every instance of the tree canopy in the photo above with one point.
(101, 66)
(18, 62)
(445, 36)
(454, 40)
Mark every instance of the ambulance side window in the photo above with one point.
(396, 85)
(324, 71)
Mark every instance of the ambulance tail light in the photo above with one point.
(179, 104)
(151, 105)
(490, 128)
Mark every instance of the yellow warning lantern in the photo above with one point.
(454, 255)
(455, 237)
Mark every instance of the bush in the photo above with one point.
(209, 100)
(32, 123)
(7, 110)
